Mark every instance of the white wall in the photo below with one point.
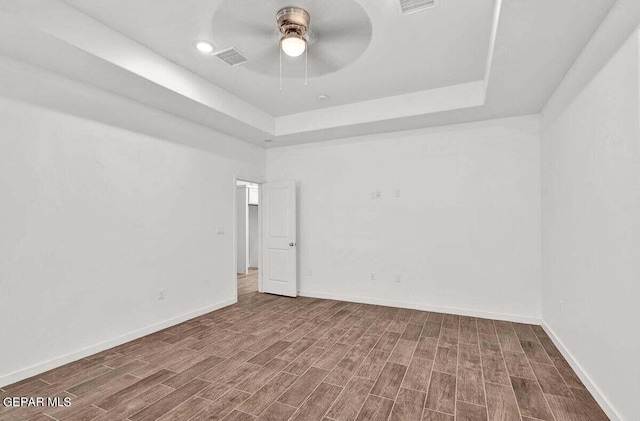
(96, 219)
(254, 236)
(591, 231)
(242, 228)
(464, 235)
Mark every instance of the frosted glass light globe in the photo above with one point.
(293, 45)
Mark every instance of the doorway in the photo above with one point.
(248, 238)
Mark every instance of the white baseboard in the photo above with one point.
(423, 307)
(595, 391)
(16, 376)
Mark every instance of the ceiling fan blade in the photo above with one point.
(252, 39)
(243, 26)
(265, 62)
(247, 25)
(343, 33)
(334, 54)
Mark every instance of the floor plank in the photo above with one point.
(442, 393)
(470, 387)
(389, 380)
(469, 412)
(501, 403)
(303, 387)
(318, 403)
(375, 408)
(446, 360)
(530, 399)
(173, 399)
(418, 374)
(550, 380)
(429, 415)
(350, 401)
(277, 412)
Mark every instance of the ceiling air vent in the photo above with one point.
(412, 6)
(231, 56)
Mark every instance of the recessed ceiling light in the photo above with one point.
(205, 47)
(323, 97)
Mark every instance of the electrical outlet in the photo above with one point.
(310, 273)
(561, 305)
(398, 278)
(397, 193)
(373, 276)
(161, 294)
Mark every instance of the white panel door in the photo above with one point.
(279, 275)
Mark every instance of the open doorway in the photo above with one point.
(248, 238)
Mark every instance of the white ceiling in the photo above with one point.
(444, 46)
(461, 61)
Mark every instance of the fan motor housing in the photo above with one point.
(293, 20)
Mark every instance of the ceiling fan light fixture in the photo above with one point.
(293, 44)
(293, 23)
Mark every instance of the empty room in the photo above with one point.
(319, 210)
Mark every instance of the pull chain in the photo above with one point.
(306, 66)
(280, 49)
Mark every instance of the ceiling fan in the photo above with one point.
(330, 33)
(293, 23)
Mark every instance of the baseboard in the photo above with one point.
(595, 391)
(16, 376)
(423, 307)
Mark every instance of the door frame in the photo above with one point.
(234, 261)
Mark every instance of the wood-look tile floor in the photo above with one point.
(275, 358)
(248, 282)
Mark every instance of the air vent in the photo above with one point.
(231, 56)
(412, 6)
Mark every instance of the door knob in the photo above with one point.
(292, 244)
